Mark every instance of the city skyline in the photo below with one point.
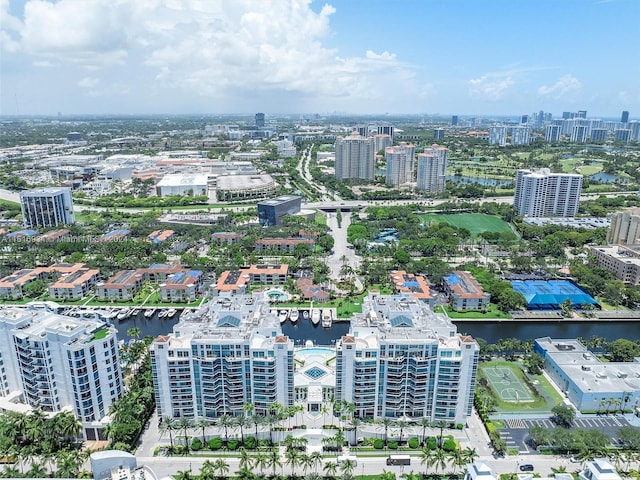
(411, 57)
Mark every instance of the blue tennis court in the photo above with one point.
(549, 295)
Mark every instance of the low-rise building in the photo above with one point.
(414, 285)
(268, 274)
(465, 293)
(182, 286)
(587, 382)
(183, 184)
(599, 469)
(623, 262)
(12, 286)
(228, 238)
(115, 235)
(74, 285)
(231, 282)
(282, 244)
(159, 236)
(123, 286)
(312, 292)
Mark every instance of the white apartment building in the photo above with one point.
(579, 133)
(47, 207)
(355, 157)
(53, 362)
(400, 164)
(540, 193)
(498, 135)
(625, 227)
(622, 135)
(552, 133)
(400, 359)
(432, 169)
(229, 352)
(520, 135)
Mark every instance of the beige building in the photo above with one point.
(622, 261)
(625, 228)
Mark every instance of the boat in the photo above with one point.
(282, 315)
(305, 314)
(163, 313)
(123, 313)
(135, 312)
(315, 316)
(171, 312)
(148, 313)
(293, 315)
(326, 318)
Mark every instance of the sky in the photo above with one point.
(426, 57)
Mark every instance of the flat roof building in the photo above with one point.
(465, 292)
(540, 193)
(47, 207)
(271, 212)
(415, 285)
(622, 261)
(625, 227)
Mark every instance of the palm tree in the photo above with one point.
(245, 474)
(183, 475)
(202, 423)
(307, 462)
(330, 469)
(248, 409)
(68, 463)
(386, 422)
(426, 456)
(316, 459)
(221, 467)
(440, 459)
(36, 426)
(293, 459)
(261, 461)
(347, 467)
(67, 425)
(185, 424)
(168, 424)
(37, 470)
(324, 410)
(470, 455)
(245, 459)
(225, 421)
(134, 332)
(441, 424)
(401, 424)
(274, 460)
(207, 471)
(355, 423)
(256, 420)
(424, 422)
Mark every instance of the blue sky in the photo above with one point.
(470, 57)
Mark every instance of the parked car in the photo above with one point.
(527, 467)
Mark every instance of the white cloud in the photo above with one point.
(88, 82)
(492, 86)
(9, 28)
(565, 84)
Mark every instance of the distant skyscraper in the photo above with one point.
(454, 120)
(47, 207)
(581, 114)
(552, 133)
(625, 228)
(635, 130)
(625, 117)
(498, 136)
(355, 157)
(540, 193)
(400, 164)
(598, 134)
(260, 120)
(386, 130)
(540, 118)
(520, 135)
(362, 130)
(432, 169)
(438, 134)
(524, 119)
(579, 134)
(622, 135)
(566, 115)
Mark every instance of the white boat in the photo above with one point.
(148, 313)
(135, 312)
(326, 318)
(315, 316)
(305, 314)
(123, 313)
(293, 315)
(171, 312)
(282, 315)
(163, 313)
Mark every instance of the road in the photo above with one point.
(340, 250)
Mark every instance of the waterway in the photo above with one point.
(492, 332)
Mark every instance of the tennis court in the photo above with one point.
(506, 385)
(476, 223)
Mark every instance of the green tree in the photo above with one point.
(623, 350)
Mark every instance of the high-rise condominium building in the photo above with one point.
(635, 130)
(625, 228)
(498, 136)
(259, 120)
(226, 354)
(400, 359)
(355, 157)
(454, 120)
(598, 134)
(386, 130)
(552, 133)
(400, 164)
(381, 142)
(438, 133)
(540, 193)
(622, 135)
(432, 169)
(59, 362)
(47, 207)
(520, 135)
(581, 114)
(624, 118)
(579, 133)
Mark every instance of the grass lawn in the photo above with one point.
(493, 312)
(476, 223)
(544, 401)
(590, 169)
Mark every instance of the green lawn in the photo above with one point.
(492, 312)
(476, 223)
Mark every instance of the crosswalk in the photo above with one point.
(587, 422)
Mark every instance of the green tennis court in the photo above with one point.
(506, 385)
(476, 223)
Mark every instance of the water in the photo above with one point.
(492, 332)
(315, 351)
(489, 182)
(605, 177)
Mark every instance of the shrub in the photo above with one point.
(414, 442)
(215, 443)
(459, 426)
(393, 445)
(196, 444)
(250, 442)
(449, 445)
(378, 444)
(233, 444)
(263, 442)
(432, 443)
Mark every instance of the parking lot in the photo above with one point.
(517, 429)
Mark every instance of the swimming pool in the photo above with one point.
(316, 351)
(278, 295)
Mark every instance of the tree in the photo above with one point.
(330, 469)
(168, 424)
(623, 350)
(203, 424)
(185, 424)
(534, 363)
(426, 457)
(225, 421)
(34, 289)
(134, 332)
(387, 422)
(563, 415)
